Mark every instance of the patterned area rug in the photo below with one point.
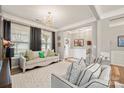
(39, 77)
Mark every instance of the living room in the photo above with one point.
(44, 40)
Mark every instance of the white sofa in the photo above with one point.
(101, 82)
(37, 61)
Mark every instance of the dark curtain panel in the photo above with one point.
(35, 39)
(7, 30)
(53, 41)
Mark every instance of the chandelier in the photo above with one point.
(48, 20)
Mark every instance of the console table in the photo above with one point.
(77, 52)
(5, 76)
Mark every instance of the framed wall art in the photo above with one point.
(78, 43)
(121, 41)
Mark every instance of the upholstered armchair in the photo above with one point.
(101, 82)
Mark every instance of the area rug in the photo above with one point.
(39, 77)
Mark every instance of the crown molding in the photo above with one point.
(109, 14)
(92, 19)
(118, 22)
(112, 13)
(96, 10)
(25, 21)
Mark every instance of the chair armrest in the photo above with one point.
(22, 61)
(96, 83)
(59, 82)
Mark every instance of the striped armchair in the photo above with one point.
(101, 82)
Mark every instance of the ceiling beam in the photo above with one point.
(95, 12)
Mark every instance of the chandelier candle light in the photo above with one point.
(48, 20)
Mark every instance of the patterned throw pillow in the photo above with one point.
(36, 54)
(74, 71)
(50, 53)
(90, 72)
(29, 55)
(99, 59)
(89, 59)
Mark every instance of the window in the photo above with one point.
(46, 40)
(20, 35)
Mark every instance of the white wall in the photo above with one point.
(117, 57)
(60, 50)
(86, 36)
(102, 36)
(115, 32)
(107, 36)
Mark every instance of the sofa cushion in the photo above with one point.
(90, 72)
(81, 62)
(36, 54)
(74, 71)
(35, 61)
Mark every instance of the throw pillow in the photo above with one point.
(89, 59)
(41, 54)
(36, 54)
(99, 59)
(74, 71)
(81, 61)
(90, 72)
(29, 55)
(50, 53)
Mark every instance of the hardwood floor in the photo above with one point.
(117, 75)
(15, 71)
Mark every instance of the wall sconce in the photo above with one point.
(89, 43)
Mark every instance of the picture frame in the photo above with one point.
(78, 42)
(120, 41)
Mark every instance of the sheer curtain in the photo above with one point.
(20, 35)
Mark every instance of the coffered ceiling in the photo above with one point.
(64, 16)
